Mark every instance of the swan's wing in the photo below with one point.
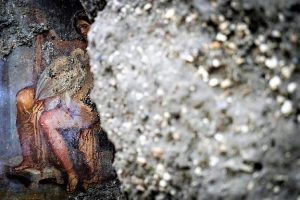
(49, 73)
(41, 82)
(54, 86)
(68, 79)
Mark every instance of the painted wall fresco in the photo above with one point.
(52, 121)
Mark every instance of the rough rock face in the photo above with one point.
(93, 6)
(19, 27)
(200, 103)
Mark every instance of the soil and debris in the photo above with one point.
(201, 98)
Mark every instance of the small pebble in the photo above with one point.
(224, 26)
(167, 176)
(239, 61)
(280, 99)
(223, 149)
(213, 160)
(221, 18)
(138, 11)
(280, 178)
(173, 192)
(160, 167)
(141, 160)
(231, 45)
(263, 48)
(198, 171)
(170, 13)
(140, 188)
(163, 183)
(147, 6)
(281, 17)
(192, 88)
(167, 115)
(221, 37)
(260, 59)
(215, 45)
(276, 189)
(216, 63)
(291, 88)
(157, 152)
(250, 186)
(260, 39)
(244, 128)
(286, 72)
(276, 34)
(287, 108)
(275, 82)
(112, 82)
(293, 38)
(203, 73)
(219, 137)
(139, 96)
(188, 58)
(265, 148)
(213, 82)
(271, 63)
(190, 18)
(160, 92)
(175, 136)
(242, 29)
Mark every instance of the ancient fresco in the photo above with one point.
(57, 124)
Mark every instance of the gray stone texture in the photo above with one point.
(185, 93)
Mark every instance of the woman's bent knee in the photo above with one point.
(25, 97)
(46, 120)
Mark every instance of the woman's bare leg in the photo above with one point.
(53, 120)
(25, 103)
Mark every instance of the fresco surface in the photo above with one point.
(51, 132)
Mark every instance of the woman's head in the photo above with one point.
(82, 23)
